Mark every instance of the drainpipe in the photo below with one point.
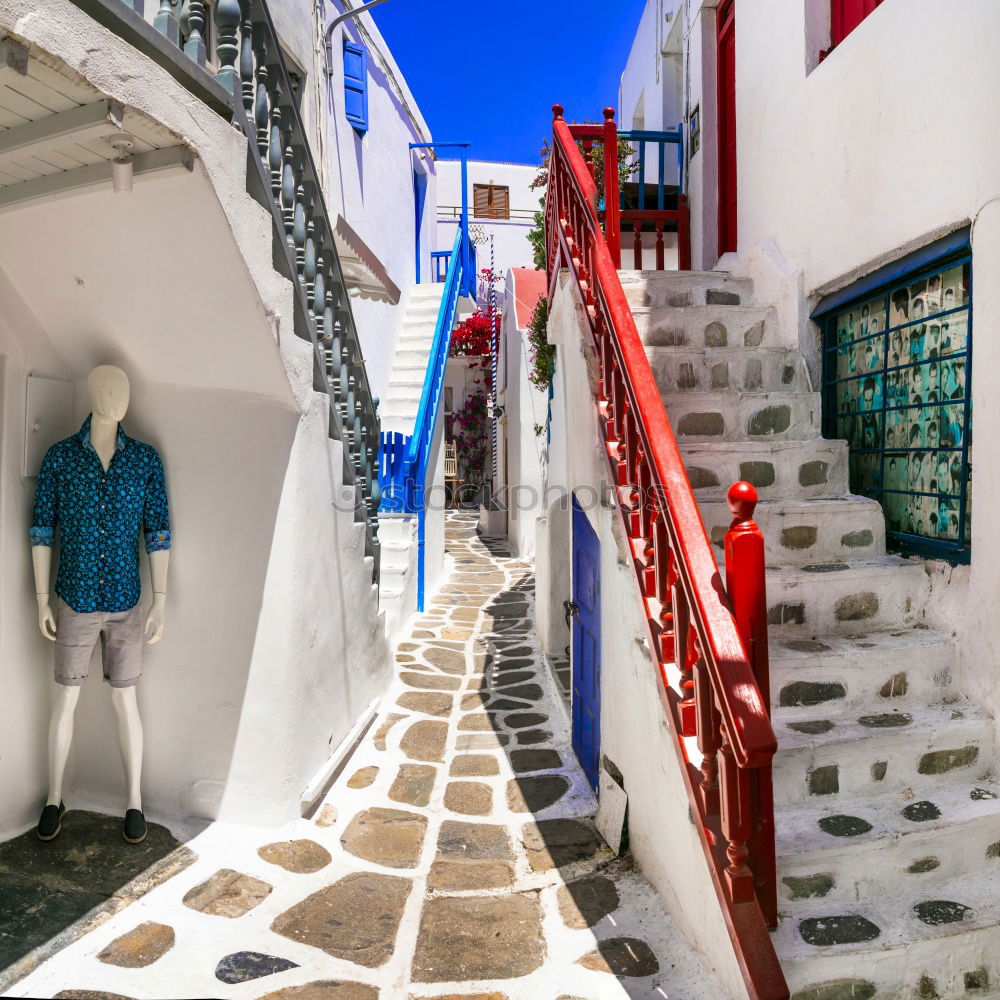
(339, 20)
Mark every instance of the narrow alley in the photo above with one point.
(455, 856)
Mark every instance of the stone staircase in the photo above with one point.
(413, 349)
(887, 811)
(398, 414)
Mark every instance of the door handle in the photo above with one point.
(572, 611)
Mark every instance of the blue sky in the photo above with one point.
(489, 73)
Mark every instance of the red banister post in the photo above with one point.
(745, 584)
(612, 202)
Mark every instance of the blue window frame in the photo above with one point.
(356, 85)
(897, 376)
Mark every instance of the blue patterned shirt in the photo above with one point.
(99, 515)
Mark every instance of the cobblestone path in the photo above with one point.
(454, 858)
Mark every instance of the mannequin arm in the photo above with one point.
(159, 562)
(41, 561)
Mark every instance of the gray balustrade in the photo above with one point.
(166, 22)
(252, 69)
(283, 177)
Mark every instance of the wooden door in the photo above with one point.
(586, 645)
(727, 126)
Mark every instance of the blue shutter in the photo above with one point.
(356, 85)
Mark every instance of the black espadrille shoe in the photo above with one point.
(134, 827)
(50, 824)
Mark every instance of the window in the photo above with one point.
(846, 15)
(356, 85)
(897, 360)
(490, 201)
(296, 76)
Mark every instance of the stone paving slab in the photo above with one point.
(454, 859)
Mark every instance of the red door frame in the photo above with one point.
(846, 15)
(726, 69)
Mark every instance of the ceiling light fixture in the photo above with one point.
(121, 165)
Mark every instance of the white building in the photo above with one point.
(275, 649)
(651, 92)
(502, 205)
(843, 199)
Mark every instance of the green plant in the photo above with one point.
(469, 427)
(628, 162)
(542, 354)
(536, 237)
(539, 430)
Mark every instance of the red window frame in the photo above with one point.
(846, 15)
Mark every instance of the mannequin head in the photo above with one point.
(109, 392)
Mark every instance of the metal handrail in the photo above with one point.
(713, 691)
(404, 459)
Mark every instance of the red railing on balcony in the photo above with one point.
(714, 692)
(625, 215)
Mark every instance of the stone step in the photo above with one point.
(922, 842)
(393, 408)
(881, 672)
(804, 532)
(913, 944)
(413, 356)
(845, 598)
(805, 470)
(415, 334)
(406, 380)
(704, 326)
(754, 416)
(733, 369)
(843, 759)
(422, 311)
(428, 291)
(684, 288)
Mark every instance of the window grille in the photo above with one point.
(897, 376)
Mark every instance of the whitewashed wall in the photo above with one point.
(701, 94)
(523, 451)
(865, 156)
(510, 243)
(273, 645)
(650, 95)
(634, 734)
(369, 179)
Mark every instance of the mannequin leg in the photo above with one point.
(130, 741)
(60, 738)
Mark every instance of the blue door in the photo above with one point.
(586, 610)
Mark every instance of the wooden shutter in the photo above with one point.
(846, 15)
(490, 201)
(356, 85)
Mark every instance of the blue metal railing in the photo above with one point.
(439, 265)
(659, 140)
(404, 460)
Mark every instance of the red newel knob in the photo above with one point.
(609, 114)
(742, 499)
(557, 111)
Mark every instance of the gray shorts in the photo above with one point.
(121, 644)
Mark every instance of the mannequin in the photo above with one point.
(68, 463)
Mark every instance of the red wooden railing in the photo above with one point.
(614, 217)
(714, 693)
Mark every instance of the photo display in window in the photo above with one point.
(896, 390)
